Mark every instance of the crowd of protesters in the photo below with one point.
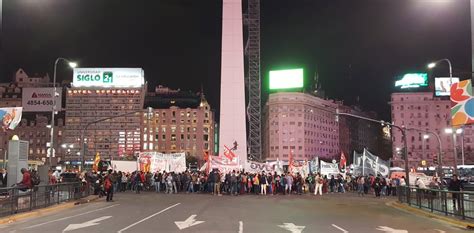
(239, 183)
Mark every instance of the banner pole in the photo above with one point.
(363, 163)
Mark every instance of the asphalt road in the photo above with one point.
(150, 212)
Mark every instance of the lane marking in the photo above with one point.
(440, 231)
(340, 228)
(77, 215)
(151, 216)
(189, 222)
(90, 223)
(241, 227)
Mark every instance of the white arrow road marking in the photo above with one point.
(340, 228)
(292, 227)
(60, 219)
(92, 222)
(241, 227)
(391, 230)
(191, 221)
(151, 216)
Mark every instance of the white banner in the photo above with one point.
(108, 77)
(10, 117)
(154, 162)
(268, 167)
(369, 164)
(329, 169)
(124, 166)
(40, 99)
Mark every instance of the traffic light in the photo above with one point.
(435, 159)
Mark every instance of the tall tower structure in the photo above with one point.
(232, 132)
(252, 50)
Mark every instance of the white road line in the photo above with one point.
(340, 228)
(77, 215)
(151, 216)
(241, 227)
(440, 231)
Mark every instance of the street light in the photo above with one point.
(457, 131)
(53, 110)
(433, 65)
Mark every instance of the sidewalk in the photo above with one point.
(47, 210)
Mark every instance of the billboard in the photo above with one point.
(286, 79)
(108, 77)
(462, 101)
(413, 80)
(40, 99)
(10, 117)
(443, 85)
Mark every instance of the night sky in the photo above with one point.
(357, 47)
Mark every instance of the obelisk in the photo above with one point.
(232, 128)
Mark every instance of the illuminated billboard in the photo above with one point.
(443, 85)
(108, 77)
(413, 80)
(286, 79)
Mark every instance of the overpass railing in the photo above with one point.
(15, 199)
(457, 204)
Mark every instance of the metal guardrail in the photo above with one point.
(13, 200)
(457, 204)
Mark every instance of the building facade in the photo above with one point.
(300, 124)
(422, 111)
(116, 138)
(357, 134)
(34, 125)
(179, 121)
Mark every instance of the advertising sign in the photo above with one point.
(443, 85)
(108, 77)
(462, 102)
(10, 117)
(40, 99)
(413, 80)
(286, 79)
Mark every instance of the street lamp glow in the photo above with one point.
(426, 136)
(458, 131)
(431, 65)
(448, 130)
(72, 64)
(63, 145)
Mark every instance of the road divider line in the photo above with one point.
(241, 227)
(340, 228)
(77, 215)
(151, 216)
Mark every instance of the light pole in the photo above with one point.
(433, 65)
(53, 110)
(455, 151)
(404, 136)
(83, 146)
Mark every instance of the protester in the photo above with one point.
(25, 182)
(456, 186)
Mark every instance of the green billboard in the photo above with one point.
(286, 79)
(413, 80)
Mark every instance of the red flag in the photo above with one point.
(228, 153)
(206, 155)
(342, 163)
